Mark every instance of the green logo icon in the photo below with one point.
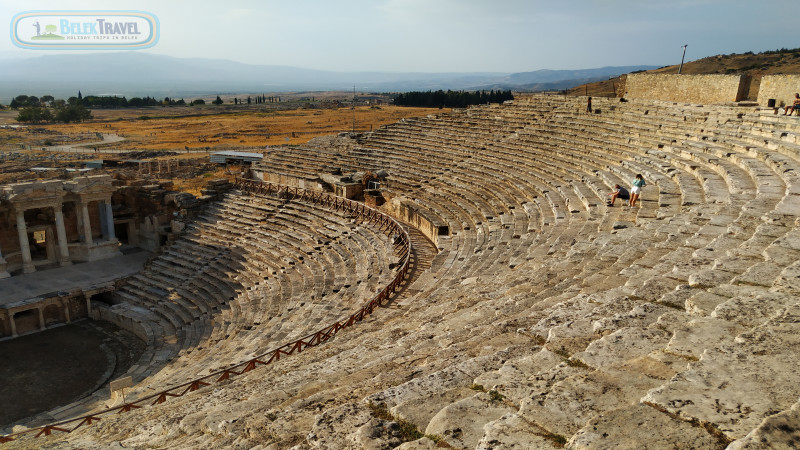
(50, 33)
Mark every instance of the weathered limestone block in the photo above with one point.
(761, 274)
(653, 289)
(511, 432)
(736, 386)
(622, 346)
(685, 268)
(452, 378)
(352, 426)
(419, 411)
(789, 280)
(755, 308)
(710, 277)
(513, 379)
(637, 427)
(641, 315)
(419, 444)
(781, 255)
(461, 423)
(781, 430)
(736, 264)
(569, 325)
(693, 338)
(703, 303)
(790, 240)
(569, 404)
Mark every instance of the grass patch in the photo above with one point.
(572, 362)
(496, 396)
(678, 355)
(477, 387)
(408, 431)
(710, 428)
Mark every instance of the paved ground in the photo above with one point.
(30, 285)
(42, 371)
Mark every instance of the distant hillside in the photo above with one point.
(546, 80)
(784, 61)
(146, 74)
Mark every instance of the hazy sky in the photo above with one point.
(449, 35)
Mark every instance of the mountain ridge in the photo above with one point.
(139, 74)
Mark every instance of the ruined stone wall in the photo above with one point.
(780, 87)
(703, 89)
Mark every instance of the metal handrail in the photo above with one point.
(385, 223)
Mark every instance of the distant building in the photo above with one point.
(235, 157)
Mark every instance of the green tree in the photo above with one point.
(73, 113)
(34, 114)
(218, 101)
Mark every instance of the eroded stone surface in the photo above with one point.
(639, 427)
(511, 432)
(569, 404)
(781, 430)
(461, 423)
(734, 386)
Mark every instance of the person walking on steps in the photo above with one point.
(636, 189)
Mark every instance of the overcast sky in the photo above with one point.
(449, 35)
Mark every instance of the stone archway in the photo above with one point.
(53, 314)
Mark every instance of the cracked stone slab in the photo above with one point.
(710, 277)
(760, 274)
(450, 378)
(703, 303)
(461, 423)
(789, 280)
(640, 315)
(511, 432)
(513, 379)
(691, 339)
(572, 402)
(781, 430)
(735, 386)
(754, 309)
(352, 426)
(621, 346)
(637, 427)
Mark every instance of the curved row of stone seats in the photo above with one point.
(556, 416)
(677, 330)
(697, 233)
(253, 273)
(302, 286)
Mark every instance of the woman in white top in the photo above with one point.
(636, 189)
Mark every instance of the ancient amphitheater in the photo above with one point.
(538, 317)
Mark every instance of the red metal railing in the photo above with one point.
(387, 224)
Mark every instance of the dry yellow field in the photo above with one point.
(245, 129)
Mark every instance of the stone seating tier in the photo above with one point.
(572, 322)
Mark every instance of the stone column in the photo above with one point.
(101, 213)
(41, 318)
(110, 221)
(66, 309)
(87, 225)
(13, 324)
(3, 267)
(22, 230)
(61, 232)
